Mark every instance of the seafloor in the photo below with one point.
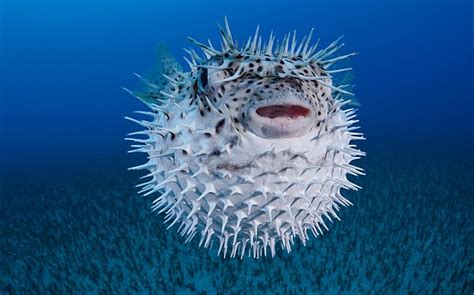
(84, 230)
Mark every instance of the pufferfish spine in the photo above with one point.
(249, 149)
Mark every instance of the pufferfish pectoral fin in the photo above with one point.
(346, 80)
(166, 64)
(155, 81)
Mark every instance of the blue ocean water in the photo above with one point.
(71, 221)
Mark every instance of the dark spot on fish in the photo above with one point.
(215, 152)
(220, 125)
(233, 141)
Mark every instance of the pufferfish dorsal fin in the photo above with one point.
(155, 81)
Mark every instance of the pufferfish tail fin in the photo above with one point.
(155, 81)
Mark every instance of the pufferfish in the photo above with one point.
(251, 147)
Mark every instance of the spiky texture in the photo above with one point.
(217, 174)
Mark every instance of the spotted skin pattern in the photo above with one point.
(251, 148)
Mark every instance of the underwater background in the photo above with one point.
(71, 221)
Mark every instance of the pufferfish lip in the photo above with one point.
(280, 120)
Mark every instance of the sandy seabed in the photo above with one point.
(410, 231)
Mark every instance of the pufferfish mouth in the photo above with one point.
(290, 111)
(282, 120)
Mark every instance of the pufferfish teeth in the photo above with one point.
(252, 146)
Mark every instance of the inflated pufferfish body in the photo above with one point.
(251, 148)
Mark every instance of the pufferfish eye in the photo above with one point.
(203, 78)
